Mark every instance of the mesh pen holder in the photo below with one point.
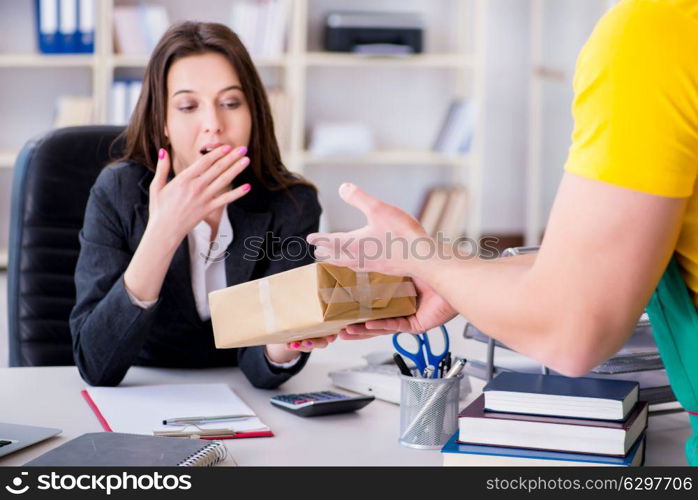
(428, 411)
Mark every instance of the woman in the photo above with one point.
(627, 204)
(200, 174)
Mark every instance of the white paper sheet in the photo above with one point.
(141, 409)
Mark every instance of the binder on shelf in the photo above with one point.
(456, 132)
(134, 92)
(119, 96)
(261, 26)
(68, 26)
(86, 26)
(154, 23)
(138, 28)
(65, 26)
(124, 97)
(47, 26)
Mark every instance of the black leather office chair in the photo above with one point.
(52, 180)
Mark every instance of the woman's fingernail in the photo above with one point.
(242, 150)
(308, 344)
(246, 188)
(345, 188)
(161, 153)
(295, 345)
(245, 161)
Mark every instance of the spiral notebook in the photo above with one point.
(116, 449)
(142, 409)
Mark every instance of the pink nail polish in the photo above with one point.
(242, 150)
(161, 153)
(295, 345)
(246, 188)
(245, 161)
(308, 344)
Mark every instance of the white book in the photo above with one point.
(258, 9)
(431, 213)
(277, 27)
(134, 92)
(446, 126)
(73, 111)
(119, 93)
(467, 127)
(452, 223)
(142, 409)
(155, 23)
(129, 37)
(266, 14)
(457, 129)
(243, 23)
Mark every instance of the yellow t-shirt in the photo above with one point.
(636, 108)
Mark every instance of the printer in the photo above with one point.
(374, 32)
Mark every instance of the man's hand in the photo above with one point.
(389, 243)
(432, 311)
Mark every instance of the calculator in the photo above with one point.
(312, 404)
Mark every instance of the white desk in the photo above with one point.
(50, 396)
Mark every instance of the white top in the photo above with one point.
(207, 265)
(207, 261)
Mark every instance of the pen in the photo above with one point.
(453, 372)
(429, 371)
(402, 365)
(195, 433)
(218, 418)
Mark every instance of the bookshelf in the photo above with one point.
(451, 67)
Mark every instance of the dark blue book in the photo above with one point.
(559, 396)
(455, 453)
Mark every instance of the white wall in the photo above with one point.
(506, 115)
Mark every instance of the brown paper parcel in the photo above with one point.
(310, 301)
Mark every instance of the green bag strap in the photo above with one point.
(674, 321)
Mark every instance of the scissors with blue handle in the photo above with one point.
(423, 356)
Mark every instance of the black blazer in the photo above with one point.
(110, 333)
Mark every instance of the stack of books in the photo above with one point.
(535, 420)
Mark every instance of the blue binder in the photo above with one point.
(47, 26)
(65, 26)
(86, 26)
(68, 26)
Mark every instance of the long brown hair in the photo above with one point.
(145, 133)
